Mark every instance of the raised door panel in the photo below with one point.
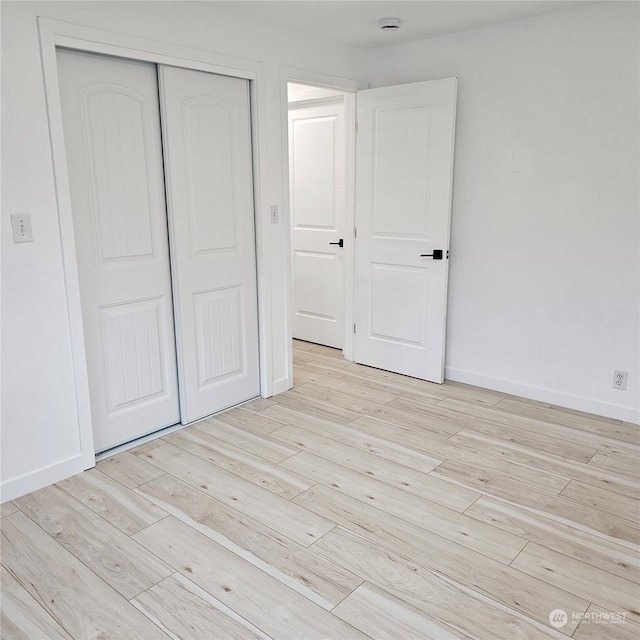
(134, 341)
(316, 277)
(398, 304)
(209, 164)
(115, 132)
(112, 136)
(221, 336)
(313, 166)
(401, 172)
(318, 208)
(207, 134)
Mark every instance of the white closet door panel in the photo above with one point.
(112, 137)
(207, 134)
(318, 209)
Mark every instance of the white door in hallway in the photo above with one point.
(318, 201)
(208, 165)
(114, 156)
(403, 209)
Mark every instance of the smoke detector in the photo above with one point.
(389, 24)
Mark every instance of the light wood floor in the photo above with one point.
(360, 504)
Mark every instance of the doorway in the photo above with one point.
(398, 239)
(320, 213)
(160, 173)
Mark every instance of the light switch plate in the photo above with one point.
(21, 225)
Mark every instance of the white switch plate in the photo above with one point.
(274, 214)
(517, 162)
(21, 225)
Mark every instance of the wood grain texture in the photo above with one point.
(384, 617)
(241, 463)
(186, 611)
(266, 603)
(603, 437)
(22, 617)
(432, 593)
(271, 510)
(118, 505)
(247, 441)
(469, 569)
(603, 500)
(595, 585)
(551, 463)
(83, 604)
(320, 580)
(116, 558)
(7, 508)
(317, 407)
(601, 624)
(409, 480)
(360, 504)
(249, 420)
(618, 463)
(566, 539)
(354, 438)
(128, 469)
(558, 508)
(448, 450)
(428, 515)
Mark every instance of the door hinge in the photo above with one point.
(355, 232)
(354, 327)
(357, 127)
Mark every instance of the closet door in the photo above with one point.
(207, 137)
(114, 155)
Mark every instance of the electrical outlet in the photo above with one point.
(620, 380)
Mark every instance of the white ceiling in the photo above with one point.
(355, 23)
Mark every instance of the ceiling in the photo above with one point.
(355, 23)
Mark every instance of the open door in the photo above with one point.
(403, 211)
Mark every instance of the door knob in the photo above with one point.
(436, 255)
(340, 242)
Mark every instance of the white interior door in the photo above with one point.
(207, 138)
(403, 209)
(114, 155)
(317, 202)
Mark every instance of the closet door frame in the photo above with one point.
(54, 35)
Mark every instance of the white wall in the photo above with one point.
(543, 290)
(40, 442)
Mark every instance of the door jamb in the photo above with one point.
(54, 34)
(350, 88)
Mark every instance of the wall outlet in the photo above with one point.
(620, 380)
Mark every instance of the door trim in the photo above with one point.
(56, 34)
(350, 87)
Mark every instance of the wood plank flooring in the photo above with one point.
(360, 504)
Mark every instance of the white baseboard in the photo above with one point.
(550, 396)
(40, 478)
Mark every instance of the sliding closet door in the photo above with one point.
(114, 155)
(207, 137)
